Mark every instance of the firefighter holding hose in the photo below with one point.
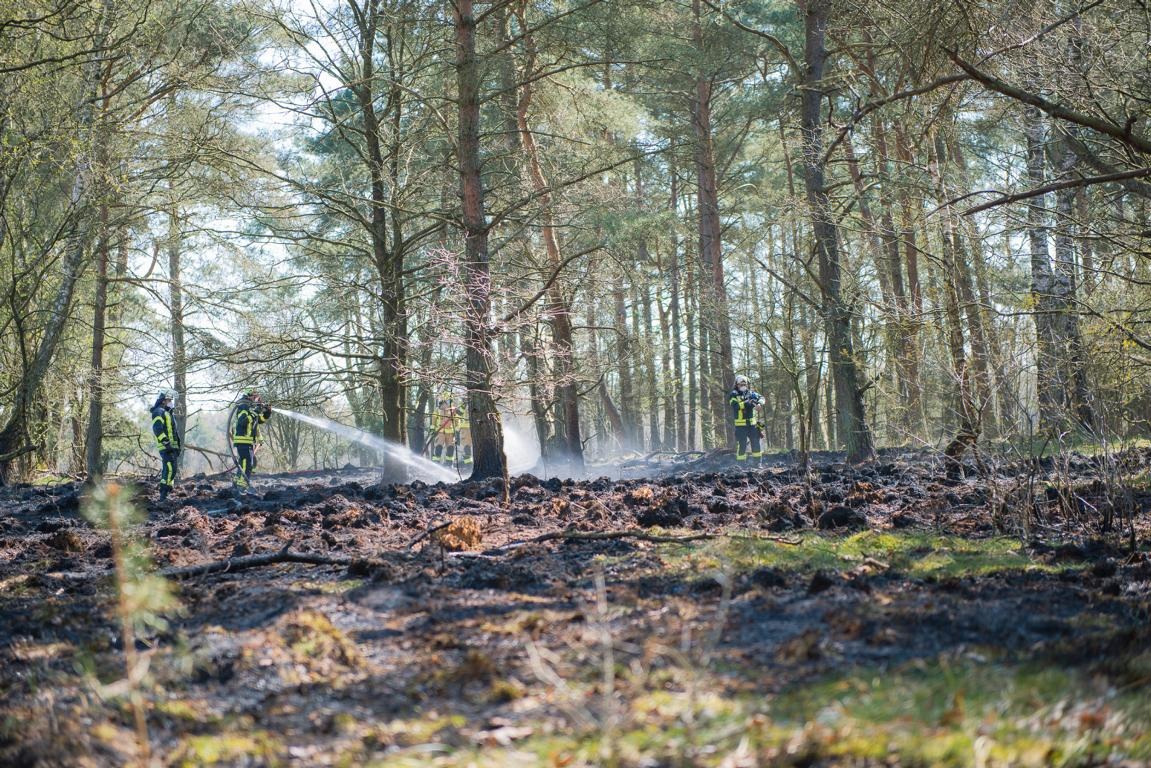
(250, 412)
(451, 434)
(746, 404)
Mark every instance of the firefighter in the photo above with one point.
(745, 404)
(443, 431)
(167, 440)
(452, 436)
(251, 412)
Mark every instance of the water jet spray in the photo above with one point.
(418, 465)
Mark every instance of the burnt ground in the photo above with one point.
(879, 615)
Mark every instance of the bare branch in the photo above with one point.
(1085, 181)
(1120, 133)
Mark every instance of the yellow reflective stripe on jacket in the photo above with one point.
(244, 430)
(442, 422)
(745, 415)
(168, 431)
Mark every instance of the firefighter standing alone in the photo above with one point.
(745, 406)
(167, 439)
(251, 412)
(452, 436)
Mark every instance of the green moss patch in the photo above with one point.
(918, 554)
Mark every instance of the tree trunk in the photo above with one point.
(537, 400)
(668, 389)
(483, 417)
(683, 442)
(968, 427)
(559, 307)
(851, 422)
(714, 310)
(176, 302)
(693, 343)
(880, 254)
(386, 239)
(624, 352)
(13, 434)
(1048, 385)
(1075, 398)
(94, 440)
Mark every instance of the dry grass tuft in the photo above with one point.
(462, 535)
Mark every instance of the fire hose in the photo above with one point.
(228, 436)
(229, 429)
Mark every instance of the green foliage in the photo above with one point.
(146, 598)
(141, 595)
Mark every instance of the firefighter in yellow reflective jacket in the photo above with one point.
(251, 412)
(167, 440)
(745, 403)
(451, 432)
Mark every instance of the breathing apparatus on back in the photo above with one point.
(249, 399)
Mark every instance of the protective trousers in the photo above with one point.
(743, 434)
(168, 458)
(246, 455)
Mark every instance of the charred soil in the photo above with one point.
(888, 614)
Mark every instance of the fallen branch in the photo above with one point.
(637, 535)
(230, 565)
(428, 533)
(20, 452)
(285, 555)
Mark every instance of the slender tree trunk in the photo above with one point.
(851, 421)
(387, 251)
(693, 356)
(713, 297)
(972, 266)
(1075, 397)
(483, 417)
(607, 410)
(13, 433)
(683, 439)
(1048, 385)
(652, 405)
(176, 308)
(668, 388)
(892, 331)
(94, 440)
(537, 398)
(1078, 397)
(968, 412)
(425, 396)
(906, 359)
(625, 351)
(559, 307)
(639, 353)
(813, 375)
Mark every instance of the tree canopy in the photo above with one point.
(908, 224)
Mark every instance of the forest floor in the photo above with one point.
(702, 615)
